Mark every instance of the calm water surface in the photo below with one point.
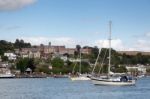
(52, 88)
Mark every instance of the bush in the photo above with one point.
(43, 68)
(57, 62)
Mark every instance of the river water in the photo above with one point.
(64, 88)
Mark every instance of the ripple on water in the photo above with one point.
(66, 89)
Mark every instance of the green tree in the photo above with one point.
(148, 70)
(119, 69)
(4, 58)
(115, 58)
(43, 68)
(57, 62)
(31, 64)
(78, 47)
(21, 44)
(25, 63)
(22, 64)
(5, 46)
(85, 67)
(95, 52)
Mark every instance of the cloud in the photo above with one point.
(64, 41)
(142, 45)
(6, 5)
(115, 44)
(147, 34)
(36, 40)
(141, 42)
(67, 41)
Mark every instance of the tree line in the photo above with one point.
(9, 46)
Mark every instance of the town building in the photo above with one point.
(47, 51)
(11, 56)
(4, 67)
(86, 50)
(138, 68)
(30, 53)
(70, 51)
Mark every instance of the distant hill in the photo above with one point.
(133, 52)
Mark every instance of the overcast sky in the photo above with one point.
(72, 22)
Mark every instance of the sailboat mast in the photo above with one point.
(109, 47)
(80, 62)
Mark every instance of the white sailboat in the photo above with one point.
(80, 76)
(110, 79)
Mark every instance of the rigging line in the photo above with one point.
(101, 66)
(75, 64)
(96, 61)
(74, 67)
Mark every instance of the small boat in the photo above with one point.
(7, 74)
(120, 80)
(80, 77)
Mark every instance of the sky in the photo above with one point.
(72, 22)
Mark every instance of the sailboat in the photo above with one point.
(110, 79)
(80, 76)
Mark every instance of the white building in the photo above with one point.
(139, 68)
(3, 64)
(64, 58)
(11, 56)
(74, 60)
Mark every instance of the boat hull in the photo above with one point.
(115, 83)
(7, 76)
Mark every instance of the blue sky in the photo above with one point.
(71, 22)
